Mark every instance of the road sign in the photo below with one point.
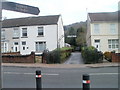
(20, 7)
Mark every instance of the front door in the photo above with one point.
(16, 47)
(97, 44)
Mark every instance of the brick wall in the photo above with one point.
(18, 58)
(115, 57)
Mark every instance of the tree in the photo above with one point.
(70, 40)
(80, 40)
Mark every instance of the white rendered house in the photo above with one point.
(102, 31)
(32, 34)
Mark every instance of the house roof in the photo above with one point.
(30, 21)
(108, 16)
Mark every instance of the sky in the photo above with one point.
(72, 11)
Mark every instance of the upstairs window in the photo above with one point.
(96, 29)
(112, 29)
(15, 33)
(3, 34)
(40, 31)
(24, 32)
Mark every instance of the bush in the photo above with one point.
(91, 55)
(57, 55)
(108, 56)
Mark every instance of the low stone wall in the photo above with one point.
(7, 58)
(115, 57)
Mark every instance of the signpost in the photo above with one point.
(18, 8)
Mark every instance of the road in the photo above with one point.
(75, 58)
(19, 77)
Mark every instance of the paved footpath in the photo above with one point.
(60, 65)
(75, 58)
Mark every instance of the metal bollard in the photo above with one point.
(38, 80)
(86, 82)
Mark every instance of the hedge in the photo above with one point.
(91, 55)
(56, 56)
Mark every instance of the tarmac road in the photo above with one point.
(24, 77)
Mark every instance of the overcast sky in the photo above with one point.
(71, 10)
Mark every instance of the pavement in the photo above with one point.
(35, 65)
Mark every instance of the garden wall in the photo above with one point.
(115, 57)
(17, 58)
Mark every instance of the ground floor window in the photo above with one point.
(4, 47)
(40, 46)
(113, 43)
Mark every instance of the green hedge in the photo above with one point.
(91, 55)
(57, 56)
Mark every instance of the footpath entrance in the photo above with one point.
(75, 58)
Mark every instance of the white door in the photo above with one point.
(97, 44)
(16, 47)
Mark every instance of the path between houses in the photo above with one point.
(75, 58)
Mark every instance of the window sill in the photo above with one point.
(15, 38)
(24, 37)
(40, 36)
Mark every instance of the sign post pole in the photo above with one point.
(0, 44)
(18, 8)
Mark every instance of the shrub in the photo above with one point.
(108, 56)
(91, 55)
(57, 55)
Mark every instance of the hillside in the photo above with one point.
(76, 29)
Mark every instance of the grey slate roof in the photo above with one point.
(110, 16)
(30, 21)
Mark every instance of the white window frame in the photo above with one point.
(24, 32)
(113, 43)
(40, 31)
(23, 42)
(15, 33)
(40, 46)
(113, 29)
(96, 28)
(4, 47)
(2, 34)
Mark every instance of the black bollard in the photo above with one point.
(38, 80)
(86, 82)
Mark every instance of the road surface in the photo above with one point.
(19, 77)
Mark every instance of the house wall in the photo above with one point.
(88, 35)
(52, 33)
(103, 35)
(49, 37)
(9, 39)
(61, 38)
